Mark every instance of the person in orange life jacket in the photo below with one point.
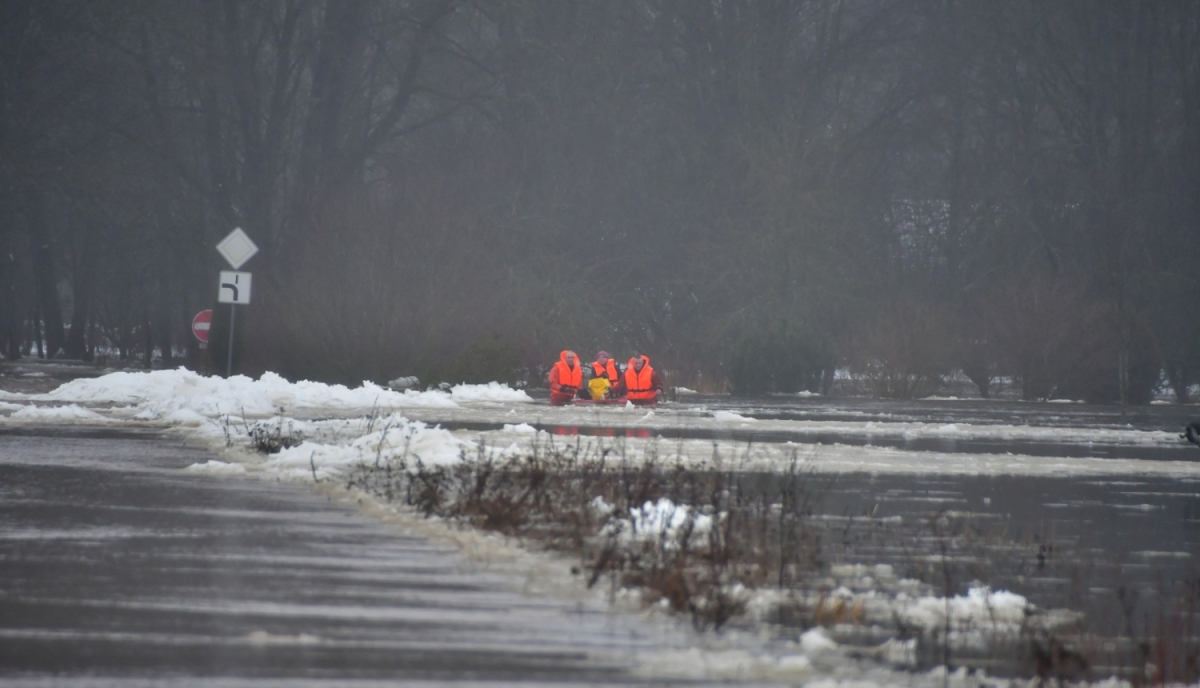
(604, 376)
(642, 384)
(565, 378)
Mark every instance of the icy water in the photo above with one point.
(1074, 506)
(119, 569)
(1124, 549)
(979, 414)
(1120, 545)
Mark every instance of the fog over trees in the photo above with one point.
(752, 192)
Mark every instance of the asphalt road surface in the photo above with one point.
(119, 568)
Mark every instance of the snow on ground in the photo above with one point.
(158, 393)
(341, 426)
(331, 428)
(213, 467)
(70, 413)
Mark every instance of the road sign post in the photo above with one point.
(229, 351)
(236, 248)
(235, 289)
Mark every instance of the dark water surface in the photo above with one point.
(116, 565)
(1124, 549)
(1165, 418)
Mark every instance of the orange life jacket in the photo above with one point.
(638, 385)
(609, 371)
(566, 376)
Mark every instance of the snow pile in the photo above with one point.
(158, 394)
(981, 609)
(494, 392)
(214, 467)
(71, 413)
(816, 641)
(663, 521)
(220, 412)
(399, 440)
(162, 394)
(519, 427)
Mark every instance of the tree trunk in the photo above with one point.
(82, 285)
(10, 323)
(76, 346)
(45, 278)
(37, 334)
(148, 334)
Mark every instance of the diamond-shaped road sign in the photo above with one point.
(237, 248)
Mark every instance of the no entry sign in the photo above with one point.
(201, 324)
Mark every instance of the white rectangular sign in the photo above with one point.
(235, 288)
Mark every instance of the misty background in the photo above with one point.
(752, 192)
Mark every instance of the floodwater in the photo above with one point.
(119, 568)
(1120, 546)
(1123, 548)
(1168, 418)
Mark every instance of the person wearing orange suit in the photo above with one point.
(565, 378)
(604, 377)
(642, 384)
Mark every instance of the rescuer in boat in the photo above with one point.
(565, 378)
(642, 384)
(604, 377)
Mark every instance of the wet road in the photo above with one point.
(118, 568)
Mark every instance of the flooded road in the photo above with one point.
(967, 426)
(120, 568)
(1073, 506)
(119, 563)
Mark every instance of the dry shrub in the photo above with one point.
(742, 533)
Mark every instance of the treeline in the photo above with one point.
(753, 192)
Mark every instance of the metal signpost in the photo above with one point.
(234, 288)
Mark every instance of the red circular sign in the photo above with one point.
(200, 325)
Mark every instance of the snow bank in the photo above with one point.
(661, 521)
(997, 610)
(71, 413)
(214, 467)
(6, 407)
(491, 392)
(160, 393)
(218, 411)
(181, 396)
(398, 439)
